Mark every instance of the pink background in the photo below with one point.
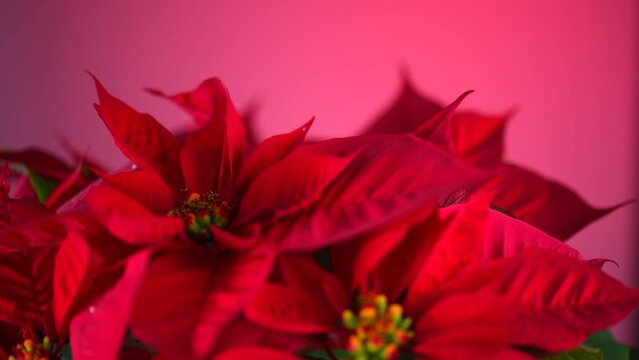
(569, 67)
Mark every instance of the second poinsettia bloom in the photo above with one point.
(468, 283)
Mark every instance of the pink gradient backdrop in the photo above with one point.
(570, 68)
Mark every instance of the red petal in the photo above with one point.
(479, 139)
(475, 235)
(69, 186)
(354, 261)
(249, 114)
(545, 204)
(200, 292)
(71, 278)
(221, 142)
(130, 221)
(5, 172)
(238, 239)
(309, 301)
(409, 110)
(39, 161)
(202, 157)
(468, 326)
(143, 186)
(290, 309)
(25, 288)
(305, 274)
(366, 195)
(141, 138)
(44, 231)
(248, 352)
(398, 268)
(98, 331)
(268, 153)
(243, 332)
(506, 236)
(437, 129)
(289, 187)
(555, 294)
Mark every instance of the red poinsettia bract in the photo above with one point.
(467, 283)
(197, 223)
(477, 139)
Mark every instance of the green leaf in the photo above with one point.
(65, 354)
(323, 257)
(612, 350)
(42, 185)
(323, 355)
(580, 353)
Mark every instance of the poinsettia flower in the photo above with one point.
(197, 221)
(468, 283)
(478, 140)
(30, 235)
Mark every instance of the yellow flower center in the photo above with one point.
(200, 212)
(379, 330)
(32, 350)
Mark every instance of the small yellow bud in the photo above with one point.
(406, 323)
(396, 310)
(354, 343)
(389, 350)
(381, 302)
(28, 345)
(367, 314)
(46, 344)
(349, 319)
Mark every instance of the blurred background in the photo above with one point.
(569, 67)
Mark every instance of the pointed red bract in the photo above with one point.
(408, 111)
(269, 152)
(290, 187)
(290, 309)
(202, 157)
(141, 138)
(143, 186)
(75, 270)
(478, 140)
(366, 195)
(467, 327)
(98, 330)
(476, 235)
(437, 129)
(66, 189)
(201, 294)
(221, 139)
(131, 221)
(543, 203)
(553, 293)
